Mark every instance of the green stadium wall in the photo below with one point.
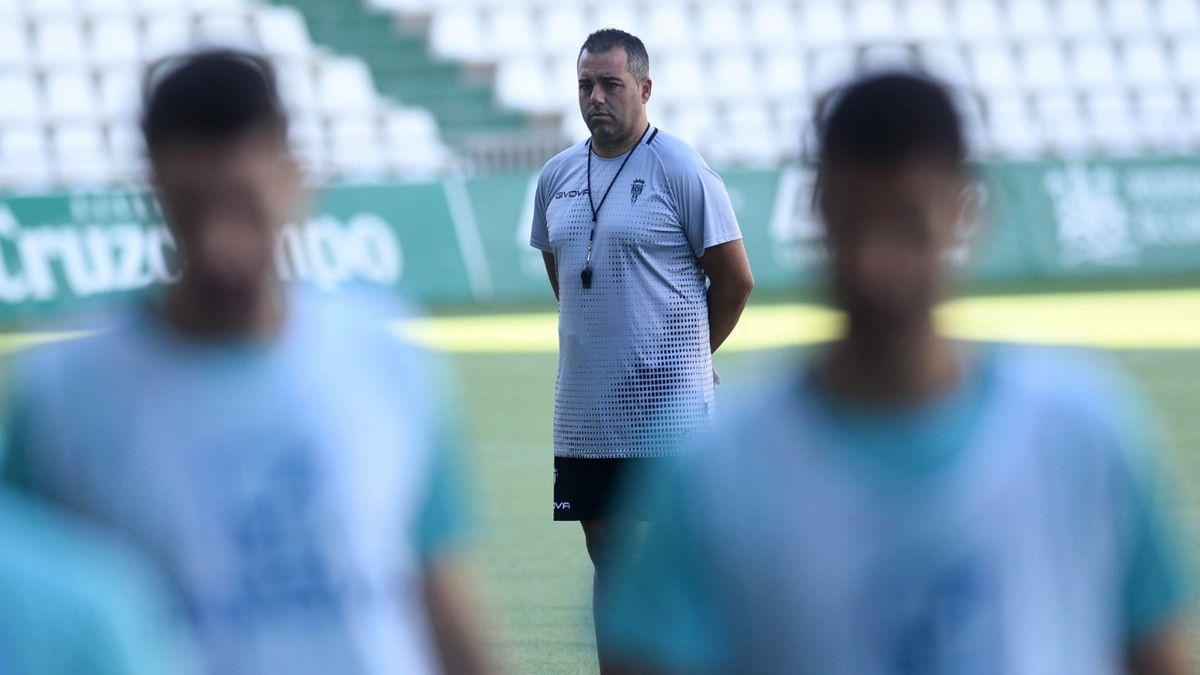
(462, 241)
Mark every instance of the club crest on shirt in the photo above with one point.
(635, 189)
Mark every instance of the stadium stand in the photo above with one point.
(70, 73)
(402, 87)
(738, 77)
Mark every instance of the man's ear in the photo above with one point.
(647, 86)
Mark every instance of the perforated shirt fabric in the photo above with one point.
(635, 368)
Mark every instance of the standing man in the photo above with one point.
(279, 454)
(631, 223)
(905, 503)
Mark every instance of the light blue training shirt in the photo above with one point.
(1009, 527)
(635, 367)
(295, 490)
(75, 601)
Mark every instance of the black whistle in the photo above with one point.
(586, 276)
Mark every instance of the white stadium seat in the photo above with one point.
(1178, 18)
(1044, 67)
(283, 33)
(306, 135)
(19, 98)
(1011, 126)
(107, 8)
(14, 44)
(81, 153)
(50, 9)
(1111, 123)
(1146, 63)
(993, 67)
(165, 34)
(886, 56)
(1187, 61)
(119, 94)
(823, 24)
(24, 156)
(978, 20)
(828, 68)
(1094, 65)
(784, 75)
(520, 84)
(618, 14)
(227, 30)
(875, 20)
(736, 76)
(1079, 18)
(457, 34)
(563, 27)
(679, 78)
(345, 86)
(59, 42)
(927, 20)
(1063, 124)
(1029, 19)
(296, 85)
(1129, 18)
(164, 7)
(563, 85)
(511, 30)
(670, 23)
(946, 62)
(773, 25)
(69, 95)
(127, 151)
(720, 25)
(1162, 118)
(356, 148)
(114, 40)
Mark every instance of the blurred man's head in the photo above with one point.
(614, 86)
(216, 134)
(890, 190)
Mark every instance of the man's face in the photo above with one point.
(888, 231)
(611, 101)
(224, 203)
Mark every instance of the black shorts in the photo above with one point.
(587, 489)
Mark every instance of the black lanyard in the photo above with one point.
(586, 275)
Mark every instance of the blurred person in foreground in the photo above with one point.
(76, 601)
(631, 223)
(282, 456)
(904, 503)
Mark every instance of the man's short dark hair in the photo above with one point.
(211, 95)
(891, 117)
(611, 38)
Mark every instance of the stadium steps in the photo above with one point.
(402, 68)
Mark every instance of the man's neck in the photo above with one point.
(253, 316)
(899, 367)
(616, 147)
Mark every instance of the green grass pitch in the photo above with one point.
(537, 573)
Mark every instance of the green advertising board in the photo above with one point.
(461, 240)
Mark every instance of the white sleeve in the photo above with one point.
(703, 207)
(539, 232)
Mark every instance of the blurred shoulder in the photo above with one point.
(1065, 378)
(366, 324)
(98, 341)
